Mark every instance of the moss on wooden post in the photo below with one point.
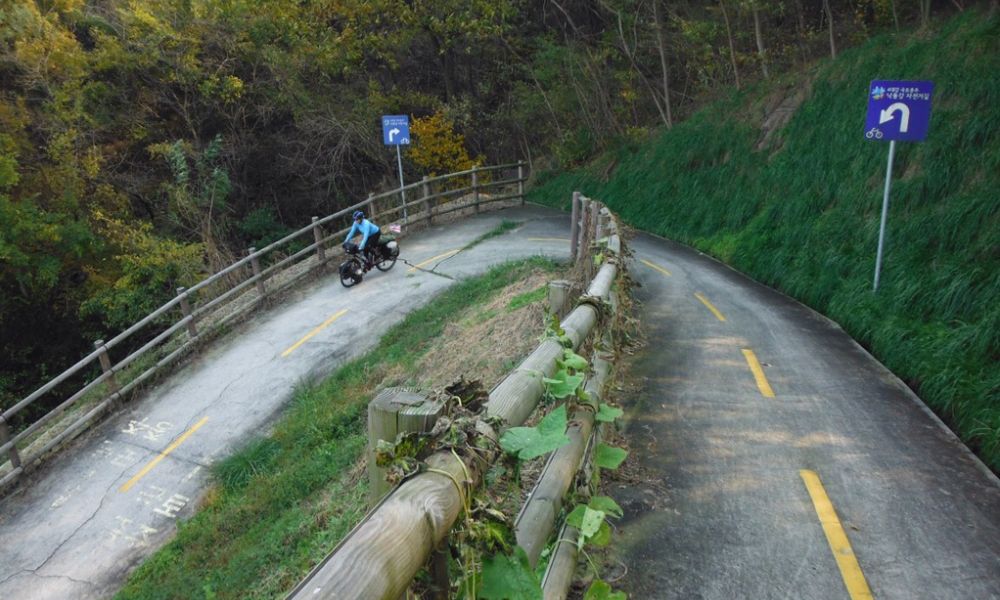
(394, 411)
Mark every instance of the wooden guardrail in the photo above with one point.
(234, 291)
(379, 558)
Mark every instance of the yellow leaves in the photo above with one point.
(61, 148)
(91, 162)
(44, 50)
(67, 6)
(228, 89)
(144, 17)
(438, 148)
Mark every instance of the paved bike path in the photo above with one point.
(814, 474)
(81, 523)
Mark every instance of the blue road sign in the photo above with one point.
(898, 110)
(395, 130)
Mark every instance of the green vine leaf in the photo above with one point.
(509, 578)
(588, 521)
(606, 504)
(609, 457)
(600, 590)
(530, 442)
(572, 360)
(563, 384)
(608, 413)
(602, 537)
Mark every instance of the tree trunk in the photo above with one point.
(661, 46)
(829, 20)
(895, 17)
(925, 14)
(760, 43)
(630, 54)
(732, 46)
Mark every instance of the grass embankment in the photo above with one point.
(284, 501)
(802, 214)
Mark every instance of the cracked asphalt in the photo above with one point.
(82, 522)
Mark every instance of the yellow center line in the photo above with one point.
(309, 335)
(128, 485)
(715, 311)
(850, 570)
(432, 259)
(548, 240)
(656, 267)
(758, 373)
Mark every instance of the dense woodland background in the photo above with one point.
(145, 144)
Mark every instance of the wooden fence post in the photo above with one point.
(371, 206)
(106, 366)
(318, 236)
(475, 187)
(574, 228)
(255, 265)
(426, 190)
(186, 311)
(395, 411)
(520, 181)
(558, 296)
(12, 454)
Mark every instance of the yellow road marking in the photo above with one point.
(656, 267)
(128, 485)
(548, 240)
(715, 311)
(432, 259)
(309, 335)
(850, 570)
(758, 373)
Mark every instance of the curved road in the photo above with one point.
(777, 459)
(79, 525)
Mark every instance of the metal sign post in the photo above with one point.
(897, 111)
(396, 132)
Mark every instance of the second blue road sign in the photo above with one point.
(898, 110)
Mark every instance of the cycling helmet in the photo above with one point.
(358, 215)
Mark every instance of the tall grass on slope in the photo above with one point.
(802, 215)
(284, 501)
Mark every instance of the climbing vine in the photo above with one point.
(481, 546)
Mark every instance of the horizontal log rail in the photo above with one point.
(380, 557)
(196, 307)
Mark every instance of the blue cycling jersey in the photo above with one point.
(366, 228)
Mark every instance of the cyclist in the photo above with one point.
(370, 234)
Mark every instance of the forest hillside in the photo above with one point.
(779, 181)
(146, 144)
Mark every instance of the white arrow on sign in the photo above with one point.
(904, 119)
(394, 132)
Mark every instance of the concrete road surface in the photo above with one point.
(75, 529)
(779, 460)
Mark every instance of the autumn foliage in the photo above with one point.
(438, 148)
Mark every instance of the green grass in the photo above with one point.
(802, 215)
(497, 231)
(284, 501)
(527, 298)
